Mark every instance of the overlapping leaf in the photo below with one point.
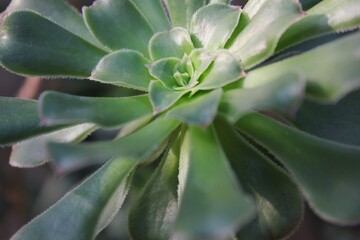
(280, 204)
(19, 120)
(283, 95)
(139, 146)
(57, 108)
(326, 17)
(83, 212)
(259, 38)
(23, 154)
(326, 172)
(118, 24)
(211, 202)
(26, 47)
(125, 68)
(335, 73)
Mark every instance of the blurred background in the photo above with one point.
(24, 193)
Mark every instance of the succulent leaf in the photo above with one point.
(326, 17)
(211, 202)
(258, 40)
(125, 68)
(279, 201)
(329, 79)
(24, 156)
(325, 171)
(20, 120)
(58, 108)
(118, 24)
(283, 95)
(213, 25)
(27, 48)
(87, 209)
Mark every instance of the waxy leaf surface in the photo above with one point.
(326, 17)
(283, 95)
(23, 154)
(326, 172)
(26, 47)
(173, 43)
(125, 68)
(211, 201)
(58, 108)
(280, 203)
(330, 78)
(83, 212)
(259, 38)
(19, 120)
(213, 25)
(118, 24)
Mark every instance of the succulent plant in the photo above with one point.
(221, 88)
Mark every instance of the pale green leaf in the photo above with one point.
(258, 40)
(283, 95)
(33, 152)
(58, 11)
(162, 97)
(326, 172)
(173, 43)
(213, 25)
(212, 204)
(19, 120)
(252, 7)
(140, 145)
(154, 13)
(197, 110)
(326, 17)
(164, 70)
(58, 108)
(125, 68)
(33, 45)
(224, 69)
(153, 214)
(279, 202)
(220, 1)
(330, 76)
(182, 11)
(118, 24)
(83, 212)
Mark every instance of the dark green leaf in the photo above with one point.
(326, 17)
(139, 146)
(327, 172)
(337, 122)
(154, 13)
(182, 11)
(258, 40)
(19, 120)
(211, 202)
(283, 95)
(200, 110)
(153, 214)
(118, 24)
(58, 108)
(162, 97)
(58, 11)
(33, 152)
(83, 212)
(173, 43)
(33, 45)
(125, 68)
(280, 204)
(213, 25)
(329, 76)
